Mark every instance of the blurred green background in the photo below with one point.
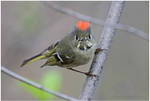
(30, 27)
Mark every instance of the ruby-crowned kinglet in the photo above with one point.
(73, 50)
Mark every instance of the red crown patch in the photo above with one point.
(82, 25)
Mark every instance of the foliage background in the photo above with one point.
(30, 27)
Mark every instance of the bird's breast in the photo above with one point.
(73, 56)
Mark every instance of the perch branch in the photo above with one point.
(104, 43)
(78, 15)
(22, 79)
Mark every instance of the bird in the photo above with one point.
(75, 49)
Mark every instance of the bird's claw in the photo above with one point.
(98, 50)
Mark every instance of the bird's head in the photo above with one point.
(83, 38)
(82, 31)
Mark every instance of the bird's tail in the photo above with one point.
(33, 59)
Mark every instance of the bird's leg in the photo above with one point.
(86, 73)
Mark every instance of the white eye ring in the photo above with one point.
(76, 37)
(90, 36)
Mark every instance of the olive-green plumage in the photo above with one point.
(73, 50)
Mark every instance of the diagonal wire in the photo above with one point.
(105, 42)
(22, 79)
(78, 15)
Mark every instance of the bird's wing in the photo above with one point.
(45, 54)
(50, 50)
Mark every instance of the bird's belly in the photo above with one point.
(75, 63)
(80, 58)
(73, 57)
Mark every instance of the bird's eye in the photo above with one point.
(76, 37)
(90, 36)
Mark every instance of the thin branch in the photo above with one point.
(104, 43)
(22, 79)
(78, 15)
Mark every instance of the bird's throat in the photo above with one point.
(84, 46)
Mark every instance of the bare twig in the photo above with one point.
(22, 79)
(104, 43)
(78, 15)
